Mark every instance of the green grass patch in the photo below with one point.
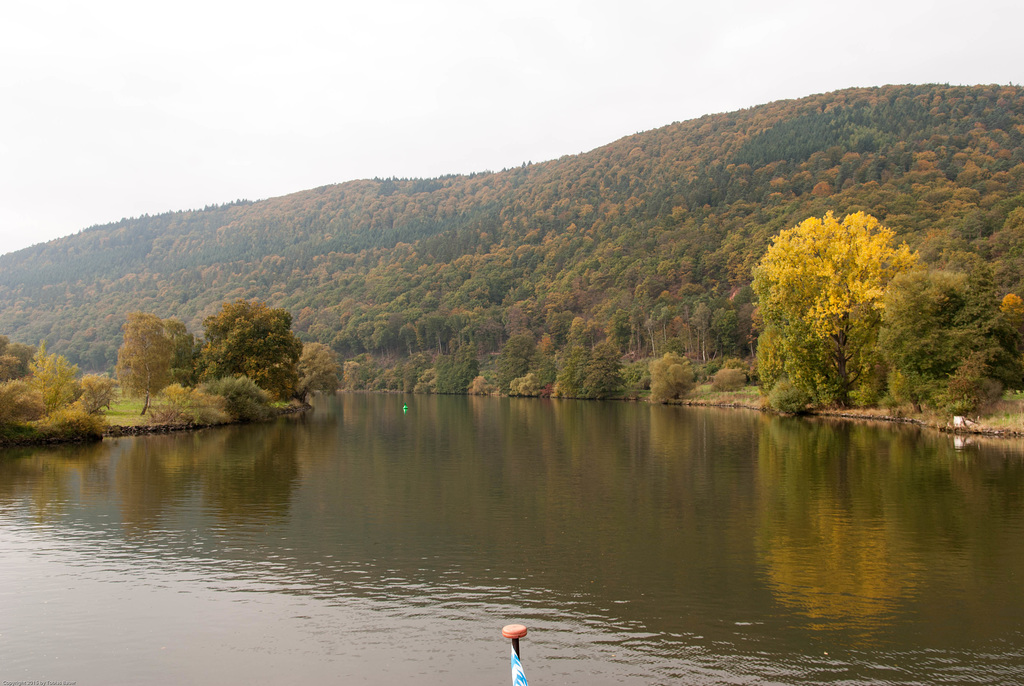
(125, 411)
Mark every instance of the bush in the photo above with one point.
(73, 423)
(968, 389)
(708, 370)
(244, 401)
(480, 386)
(189, 406)
(637, 375)
(729, 379)
(97, 393)
(427, 382)
(19, 402)
(785, 397)
(526, 386)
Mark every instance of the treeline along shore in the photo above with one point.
(861, 250)
(248, 367)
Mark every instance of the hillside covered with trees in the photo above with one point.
(644, 246)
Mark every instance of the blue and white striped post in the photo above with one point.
(516, 632)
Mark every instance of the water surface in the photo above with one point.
(641, 545)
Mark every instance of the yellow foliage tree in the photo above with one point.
(820, 286)
(1012, 308)
(144, 358)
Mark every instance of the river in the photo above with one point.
(364, 543)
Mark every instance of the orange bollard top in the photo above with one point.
(514, 631)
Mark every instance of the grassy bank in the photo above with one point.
(1004, 417)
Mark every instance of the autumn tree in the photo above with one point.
(144, 358)
(55, 378)
(672, 377)
(248, 338)
(318, 371)
(14, 359)
(820, 286)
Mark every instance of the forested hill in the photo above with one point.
(648, 239)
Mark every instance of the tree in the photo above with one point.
(318, 371)
(454, 373)
(671, 378)
(55, 378)
(144, 358)
(570, 380)
(14, 359)
(184, 354)
(820, 286)
(946, 339)
(515, 359)
(604, 371)
(248, 338)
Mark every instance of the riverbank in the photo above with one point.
(121, 430)
(1004, 419)
(27, 435)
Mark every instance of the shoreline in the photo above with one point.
(849, 414)
(854, 414)
(128, 430)
(124, 430)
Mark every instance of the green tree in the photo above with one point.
(184, 353)
(250, 339)
(318, 371)
(515, 359)
(144, 358)
(455, 373)
(820, 287)
(947, 341)
(571, 376)
(55, 378)
(603, 372)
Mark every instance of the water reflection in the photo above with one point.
(860, 527)
(699, 544)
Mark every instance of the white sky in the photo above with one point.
(111, 109)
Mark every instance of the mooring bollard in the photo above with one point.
(516, 632)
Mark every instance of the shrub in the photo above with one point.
(480, 386)
(190, 406)
(97, 393)
(427, 382)
(244, 401)
(20, 402)
(785, 397)
(637, 375)
(729, 379)
(73, 422)
(527, 386)
(968, 388)
(708, 370)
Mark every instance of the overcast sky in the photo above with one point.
(115, 109)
